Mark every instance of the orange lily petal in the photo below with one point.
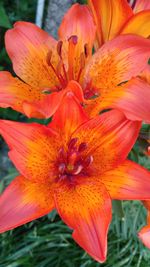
(19, 96)
(52, 101)
(116, 62)
(141, 5)
(28, 46)
(77, 41)
(69, 116)
(138, 24)
(25, 142)
(81, 20)
(129, 98)
(109, 16)
(128, 181)
(107, 140)
(23, 201)
(144, 235)
(145, 75)
(86, 208)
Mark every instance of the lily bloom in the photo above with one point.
(117, 17)
(82, 166)
(45, 66)
(48, 69)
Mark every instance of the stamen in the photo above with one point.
(72, 143)
(72, 157)
(61, 168)
(86, 50)
(61, 63)
(82, 65)
(61, 153)
(59, 48)
(82, 147)
(49, 57)
(48, 60)
(73, 39)
(88, 161)
(78, 169)
(72, 42)
(73, 162)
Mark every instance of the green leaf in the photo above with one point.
(117, 207)
(4, 20)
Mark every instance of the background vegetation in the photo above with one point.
(47, 242)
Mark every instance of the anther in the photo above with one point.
(82, 147)
(61, 153)
(59, 48)
(61, 168)
(73, 39)
(77, 170)
(48, 57)
(86, 50)
(72, 143)
(88, 161)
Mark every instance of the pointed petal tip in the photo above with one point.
(144, 235)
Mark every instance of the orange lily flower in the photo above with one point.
(47, 66)
(44, 65)
(77, 174)
(117, 17)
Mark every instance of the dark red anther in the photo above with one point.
(61, 153)
(72, 143)
(88, 161)
(59, 48)
(61, 168)
(77, 169)
(82, 147)
(48, 57)
(73, 39)
(86, 50)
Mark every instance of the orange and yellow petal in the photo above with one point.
(51, 102)
(27, 46)
(77, 40)
(117, 61)
(33, 149)
(141, 5)
(24, 201)
(138, 24)
(86, 208)
(145, 74)
(20, 96)
(109, 16)
(129, 98)
(81, 20)
(107, 139)
(129, 181)
(69, 116)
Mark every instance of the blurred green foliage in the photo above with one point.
(47, 242)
